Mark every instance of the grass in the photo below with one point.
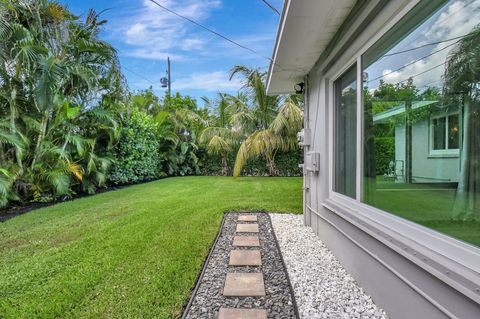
(131, 253)
(424, 204)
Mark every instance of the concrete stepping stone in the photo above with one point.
(246, 241)
(247, 218)
(231, 313)
(247, 228)
(244, 285)
(245, 258)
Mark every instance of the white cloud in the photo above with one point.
(151, 29)
(192, 44)
(210, 81)
(153, 54)
(458, 19)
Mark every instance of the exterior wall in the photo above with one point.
(425, 168)
(403, 266)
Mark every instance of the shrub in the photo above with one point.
(384, 153)
(286, 162)
(136, 157)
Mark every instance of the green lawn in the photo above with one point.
(131, 253)
(428, 205)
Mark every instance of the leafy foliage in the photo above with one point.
(384, 153)
(52, 67)
(136, 153)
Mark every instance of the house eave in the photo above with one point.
(305, 29)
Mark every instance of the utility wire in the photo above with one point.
(283, 68)
(210, 30)
(138, 75)
(271, 6)
(446, 17)
(431, 43)
(413, 62)
(423, 72)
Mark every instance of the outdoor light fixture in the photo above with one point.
(299, 88)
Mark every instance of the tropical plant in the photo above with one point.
(275, 121)
(137, 150)
(461, 89)
(53, 70)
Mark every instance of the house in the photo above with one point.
(391, 81)
(432, 149)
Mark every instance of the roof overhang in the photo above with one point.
(386, 116)
(306, 28)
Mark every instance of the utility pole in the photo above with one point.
(169, 77)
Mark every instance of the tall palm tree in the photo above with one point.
(276, 121)
(462, 88)
(220, 138)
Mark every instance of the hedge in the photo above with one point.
(287, 164)
(384, 153)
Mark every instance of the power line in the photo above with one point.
(413, 62)
(444, 18)
(283, 68)
(423, 72)
(138, 75)
(431, 43)
(271, 6)
(210, 30)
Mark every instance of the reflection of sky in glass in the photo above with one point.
(425, 65)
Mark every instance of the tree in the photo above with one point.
(54, 70)
(274, 126)
(462, 87)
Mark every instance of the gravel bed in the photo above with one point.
(209, 298)
(322, 287)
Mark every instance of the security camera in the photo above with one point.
(299, 88)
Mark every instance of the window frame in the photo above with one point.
(446, 152)
(451, 260)
(334, 168)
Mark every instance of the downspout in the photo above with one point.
(306, 148)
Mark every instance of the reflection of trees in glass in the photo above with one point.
(462, 87)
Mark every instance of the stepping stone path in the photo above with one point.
(253, 283)
(246, 241)
(247, 228)
(245, 258)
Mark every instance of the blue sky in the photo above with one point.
(145, 35)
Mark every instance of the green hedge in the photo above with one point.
(136, 156)
(384, 153)
(287, 164)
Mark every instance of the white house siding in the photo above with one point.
(409, 270)
(426, 168)
(394, 279)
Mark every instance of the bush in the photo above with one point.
(384, 153)
(136, 157)
(287, 164)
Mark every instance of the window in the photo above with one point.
(445, 134)
(421, 97)
(345, 133)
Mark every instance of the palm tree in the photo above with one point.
(53, 70)
(461, 87)
(220, 138)
(263, 106)
(281, 135)
(275, 121)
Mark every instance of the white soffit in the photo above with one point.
(305, 29)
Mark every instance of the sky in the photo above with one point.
(145, 35)
(425, 65)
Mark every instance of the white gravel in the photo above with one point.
(322, 287)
